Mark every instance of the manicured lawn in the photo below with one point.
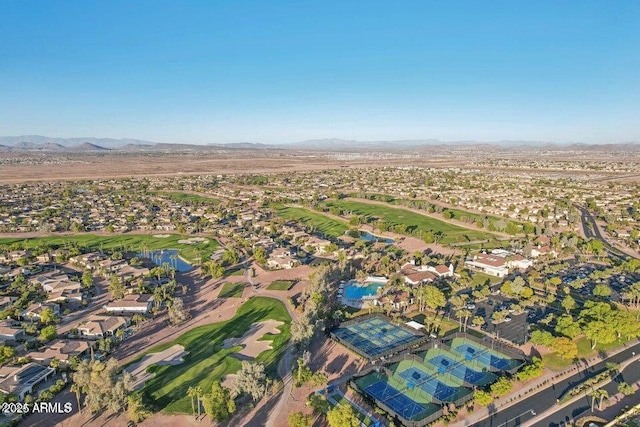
(238, 272)
(478, 278)
(429, 319)
(180, 197)
(415, 223)
(123, 242)
(207, 361)
(326, 225)
(232, 290)
(280, 285)
(552, 361)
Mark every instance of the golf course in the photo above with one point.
(207, 360)
(124, 242)
(328, 226)
(415, 223)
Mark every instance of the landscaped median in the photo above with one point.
(207, 361)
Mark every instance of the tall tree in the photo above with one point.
(218, 404)
(251, 379)
(343, 415)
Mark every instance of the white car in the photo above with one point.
(507, 319)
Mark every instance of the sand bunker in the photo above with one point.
(161, 236)
(249, 341)
(193, 241)
(171, 356)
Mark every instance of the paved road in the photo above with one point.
(591, 230)
(582, 407)
(542, 401)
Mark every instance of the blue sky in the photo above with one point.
(282, 71)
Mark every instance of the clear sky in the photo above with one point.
(283, 71)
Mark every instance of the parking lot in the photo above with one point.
(515, 326)
(617, 282)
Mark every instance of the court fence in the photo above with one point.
(398, 417)
(420, 340)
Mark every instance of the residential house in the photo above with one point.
(7, 301)
(55, 281)
(285, 262)
(319, 245)
(20, 380)
(98, 327)
(34, 311)
(61, 349)
(132, 303)
(10, 333)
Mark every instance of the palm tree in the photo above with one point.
(463, 314)
(75, 388)
(603, 394)
(199, 393)
(191, 392)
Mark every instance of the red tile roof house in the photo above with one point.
(131, 304)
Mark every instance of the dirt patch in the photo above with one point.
(249, 341)
(171, 356)
(161, 236)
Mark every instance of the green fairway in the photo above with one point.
(457, 213)
(232, 290)
(415, 223)
(280, 285)
(123, 242)
(328, 226)
(196, 199)
(207, 361)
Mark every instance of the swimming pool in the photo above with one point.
(356, 290)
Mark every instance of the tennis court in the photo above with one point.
(429, 383)
(460, 370)
(375, 336)
(485, 356)
(396, 400)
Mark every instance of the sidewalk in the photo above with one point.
(537, 386)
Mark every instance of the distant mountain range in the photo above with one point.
(89, 144)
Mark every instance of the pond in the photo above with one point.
(170, 256)
(366, 236)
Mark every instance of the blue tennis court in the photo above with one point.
(429, 383)
(375, 336)
(459, 370)
(483, 356)
(394, 399)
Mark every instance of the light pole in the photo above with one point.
(530, 411)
